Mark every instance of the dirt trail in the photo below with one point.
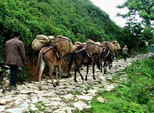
(65, 98)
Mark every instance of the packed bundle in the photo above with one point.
(79, 44)
(64, 45)
(92, 47)
(41, 41)
(117, 45)
(98, 43)
(110, 46)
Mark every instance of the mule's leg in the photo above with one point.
(42, 65)
(80, 74)
(59, 76)
(87, 72)
(105, 68)
(50, 74)
(75, 74)
(93, 66)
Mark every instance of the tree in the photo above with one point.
(139, 19)
(143, 8)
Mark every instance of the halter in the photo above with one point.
(105, 48)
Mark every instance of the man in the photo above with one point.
(125, 52)
(15, 56)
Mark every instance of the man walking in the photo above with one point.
(125, 52)
(15, 56)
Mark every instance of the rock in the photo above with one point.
(14, 110)
(100, 99)
(56, 99)
(64, 110)
(81, 105)
(68, 97)
(2, 108)
(84, 97)
(109, 87)
(92, 92)
(34, 99)
(23, 106)
(5, 101)
(26, 91)
(33, 108)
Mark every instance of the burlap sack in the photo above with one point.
(111, 46)
(90, 41)
(98, 43)
(64, 45)
(92, 47)
(41, 41)
(117, 45)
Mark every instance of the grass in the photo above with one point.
(136, 95)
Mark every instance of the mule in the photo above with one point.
(50, 56)
(81, 57)
(107, 57)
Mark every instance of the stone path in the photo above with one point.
(65, 98)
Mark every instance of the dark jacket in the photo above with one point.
(15, 52)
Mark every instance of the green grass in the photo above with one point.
(134, 96)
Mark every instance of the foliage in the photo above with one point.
(140, 29)
(143, 8)
(134, 96)
(135, 39)
(76, 19)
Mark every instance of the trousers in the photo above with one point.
(13, 74)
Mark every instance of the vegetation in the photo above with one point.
(134, 96)
(139, 24)
(143, 8)
(76, 19)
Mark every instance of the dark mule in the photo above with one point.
(52, 58)
(107, 57)
(81, 57)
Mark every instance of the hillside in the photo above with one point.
(76, 19)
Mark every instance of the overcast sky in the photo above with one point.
(109, 6)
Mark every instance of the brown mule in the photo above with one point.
(50, 56)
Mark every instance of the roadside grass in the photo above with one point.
(136, 95)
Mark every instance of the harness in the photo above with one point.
(52, 47)
(83, 49)
(108, 52)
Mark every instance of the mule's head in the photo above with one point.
(104, 51)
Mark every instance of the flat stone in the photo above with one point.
(100, 99)
(33, 108)
(92, 92)
(81, 105)
(68, 97)
(109, 87)
(84, 97)
(2, 108)
(64, 110)
(14, 110)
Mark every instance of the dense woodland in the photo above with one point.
(76, 19)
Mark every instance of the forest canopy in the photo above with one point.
(76, 19)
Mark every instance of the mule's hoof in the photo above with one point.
(86, 79)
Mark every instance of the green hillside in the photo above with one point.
(76, 19)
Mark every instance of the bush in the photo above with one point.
(133, 96)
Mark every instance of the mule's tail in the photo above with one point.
(70, 63)
(40, 66)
